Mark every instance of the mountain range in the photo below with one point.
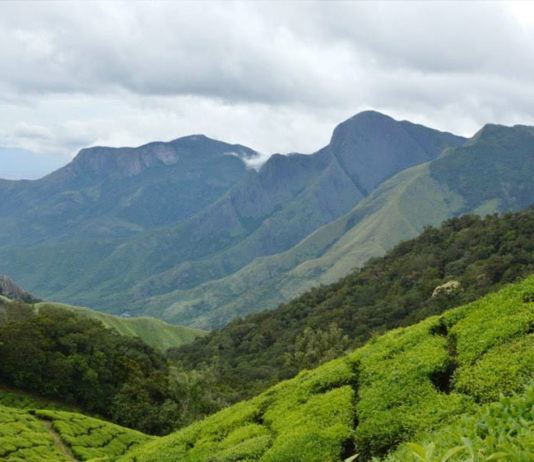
(187, 232)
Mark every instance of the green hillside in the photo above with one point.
(494, 160)
(476, 254)
(152, 331)
(64, 359)
(397, 388)
(106, 196)
(44, 435)
(455, 384)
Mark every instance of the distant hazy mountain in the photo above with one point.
(137, 230)
(16, 164)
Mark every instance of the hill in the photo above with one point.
(398, 387)
(497, 163)
(53, 229)
(467, 257)
(66, 356)
(146, 241)
(152, 331)
(454, 384)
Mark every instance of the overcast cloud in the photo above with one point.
(275, 76)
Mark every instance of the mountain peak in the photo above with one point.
(495, 132)
(102, 161)
(372, 146)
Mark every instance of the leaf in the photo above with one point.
(352, 458)
(469, 445)
(451, 452)
(419, 451)
(497, 455)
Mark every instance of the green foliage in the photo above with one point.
(90, 438)
(154, 332)
(58, 354)
(24, 438)
(400, 386)
(310, 416)
(428, 383)
(19, 400)
(315, 346)
(499, 431)
(482, 254)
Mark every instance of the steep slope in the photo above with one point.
(469, 255)
(439, 380)
(268, 212)
(396, 387)
(498, 162)
(10, 290)
(53, 229)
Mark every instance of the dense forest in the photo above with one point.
(56, 353)
(468, 256)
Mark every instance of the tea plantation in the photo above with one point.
(397, 388)
(455, 387)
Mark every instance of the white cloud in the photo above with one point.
(276, 76)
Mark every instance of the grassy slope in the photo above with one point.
(496, 164)
(397, 387)
(152, 331)
(397, 210)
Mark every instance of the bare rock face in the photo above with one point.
(447, 289)
(9, 289)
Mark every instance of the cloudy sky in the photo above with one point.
(276, 76)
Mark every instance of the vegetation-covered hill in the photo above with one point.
(114, 200)
(436, 375)
(53, 230)
(480, 254)
(455, 385)
(497, 164)
(152, 331)
(63, 355)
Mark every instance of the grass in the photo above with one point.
(152, 331)
(25, 438)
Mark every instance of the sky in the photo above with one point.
(275, 76)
